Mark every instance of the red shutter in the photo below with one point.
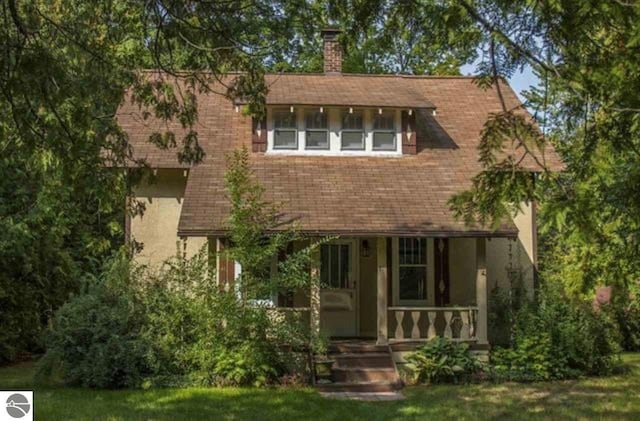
(259, 135)
(409, 144)
(441, 257)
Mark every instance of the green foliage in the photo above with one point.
(625, 310)
(443, 361)
(558, 338)
(97, 336)
(133, 327)
(258, 233)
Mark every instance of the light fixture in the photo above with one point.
(350, 110)
(410, 112)
(237, 109)
(291, 109)
(321, 109)
(379, 110)
(433, 113)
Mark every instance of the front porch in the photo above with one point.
(398, 291)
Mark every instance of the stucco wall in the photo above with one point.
(518, 255)
(157, 228)
(503, 255)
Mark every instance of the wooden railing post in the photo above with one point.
(481, 291)
(383, 338)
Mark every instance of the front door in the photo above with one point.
(338, 294)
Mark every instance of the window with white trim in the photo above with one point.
(317, 130)
(384, 131)
(412, 265)
(285, 133)
(352, 130)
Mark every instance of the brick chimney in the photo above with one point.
(332, 50)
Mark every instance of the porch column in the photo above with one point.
(382, 290)
(481, 290)
(314, 300)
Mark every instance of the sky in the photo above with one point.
(520, 81)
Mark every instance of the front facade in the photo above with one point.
(371, 160)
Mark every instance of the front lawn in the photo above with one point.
(612, 397)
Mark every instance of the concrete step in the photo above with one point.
(362, 360)
(362, 387)
(359, 374)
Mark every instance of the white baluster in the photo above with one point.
(431, 333)
(447, 327)
(464, 330)
(399, 330)
(415, 332)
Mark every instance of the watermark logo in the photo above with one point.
(18, 405)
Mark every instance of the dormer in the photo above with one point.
(339, 114)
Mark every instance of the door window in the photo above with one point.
(335, 265)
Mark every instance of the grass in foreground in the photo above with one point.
(616, 397)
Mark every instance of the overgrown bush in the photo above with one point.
(442, 361)
(132, 327)
(625, 308)
(97, 339)
(555, 338)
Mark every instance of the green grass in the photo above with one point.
(616, 397)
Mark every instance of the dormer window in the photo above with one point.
(285, 132)
(352, 131)
(384, 131)
(317, 130)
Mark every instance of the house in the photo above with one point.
(372, 159)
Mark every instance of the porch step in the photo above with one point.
(361, 387)
(364, 375)
(357, 347)
(363, 360)
(361, 367)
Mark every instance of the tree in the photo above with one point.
(258, 234)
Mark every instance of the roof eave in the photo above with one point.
(503, 233)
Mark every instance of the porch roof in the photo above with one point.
(405, 196)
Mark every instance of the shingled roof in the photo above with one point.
(344, 90)
(405, 195)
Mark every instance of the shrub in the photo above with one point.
(557, 338)
(97, 337)
(442, 361)
(625, 309)
(133, 327)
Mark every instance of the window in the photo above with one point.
(335, 265)
(384, 132)
(352, 133)
(285, 133)
(413, 268)
(317, 133)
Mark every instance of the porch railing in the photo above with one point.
(410, 324)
